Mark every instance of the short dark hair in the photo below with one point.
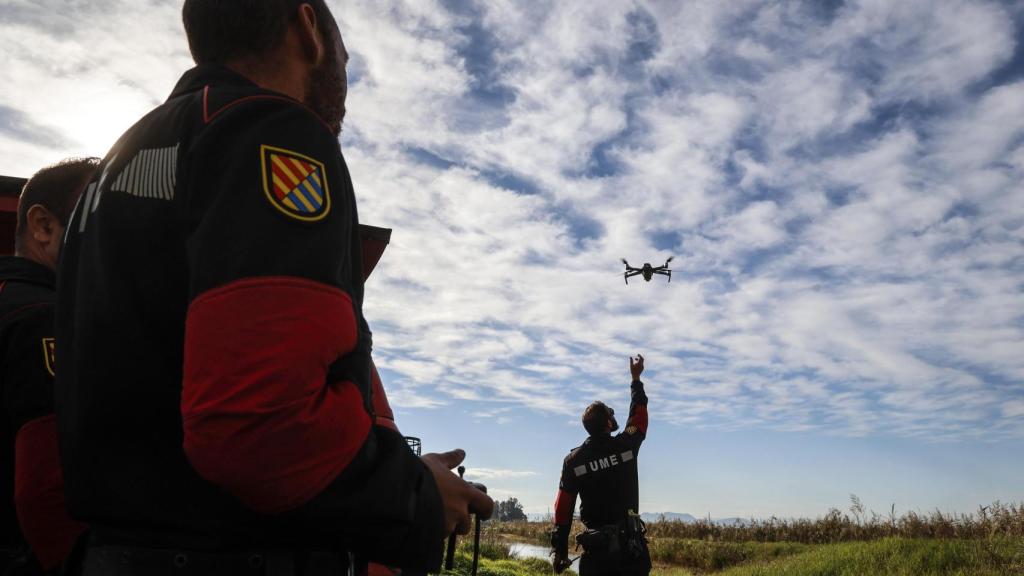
(219, 31)
(56, 188)
(595, 417)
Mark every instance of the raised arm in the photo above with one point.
(636, 426)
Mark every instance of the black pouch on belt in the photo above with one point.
(634, 534)
(604, 539)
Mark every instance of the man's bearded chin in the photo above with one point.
(327, 93)
(615, 424)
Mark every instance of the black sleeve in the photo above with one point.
(242, 221)
(385, 505)
(28, 366)
(568, 482)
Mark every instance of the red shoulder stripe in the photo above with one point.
(260, 418)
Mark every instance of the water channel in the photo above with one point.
(524, 550)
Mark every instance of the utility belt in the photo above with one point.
(136, 561)
(627, 538)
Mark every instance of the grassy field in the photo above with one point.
(889, 556)
(988, 543)
(856, 525)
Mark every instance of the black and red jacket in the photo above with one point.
(215, 382)
(603, 473)
(29, 459)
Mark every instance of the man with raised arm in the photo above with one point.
(214, 395)
(602, 472)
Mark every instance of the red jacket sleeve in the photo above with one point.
(636, 427)
(256, 390)
(381, 407)
(39, 493)
(277, 379)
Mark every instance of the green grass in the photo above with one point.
(990, 544)
(508, 566)
(886, 557)
(710, 556)
(897, 557)
(496, 559)
(859, 524)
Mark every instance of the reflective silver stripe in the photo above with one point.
(150, 174)
(627, 455)
(124, 183)
(84, 206)
(167, 173)
(173, 172)
(158, 186)
(140, 174)
(129, 178)
(147, 190)
(580, 470)
(119, 183)
(161, 167)
(137, 174)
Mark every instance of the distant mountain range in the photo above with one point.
(658, 516)
(678, 517)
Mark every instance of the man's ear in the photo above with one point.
(309, 35)
(42, 224)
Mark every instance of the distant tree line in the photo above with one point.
(509, 510)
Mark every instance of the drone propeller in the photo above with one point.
(624, 262)
(669, 259)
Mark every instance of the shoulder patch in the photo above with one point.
(50, 354)
(630, 429)
(295, 184)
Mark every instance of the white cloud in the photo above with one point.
(842, 194)
(496, 474)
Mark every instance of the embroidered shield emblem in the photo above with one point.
(295, 184)
(50, 354)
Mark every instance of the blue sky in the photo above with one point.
(839, 182)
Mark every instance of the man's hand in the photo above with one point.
(636, 368)
(459, 497)
(560, 563)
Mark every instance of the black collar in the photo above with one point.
(24, 270)
(598, 438)
(206, 74)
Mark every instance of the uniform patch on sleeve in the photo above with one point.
(295, 184)
(50, 354)
(630, 429)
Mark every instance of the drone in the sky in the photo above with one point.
(647, 271)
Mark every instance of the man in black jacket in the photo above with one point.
(28, 436)
(214, 398)
(603, 473)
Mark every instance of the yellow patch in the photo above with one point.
(50, 354)
(295, 184)
(630, 429)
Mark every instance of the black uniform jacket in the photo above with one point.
(603, 472)
(214, 386)
(28, 447)
(26, 318)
